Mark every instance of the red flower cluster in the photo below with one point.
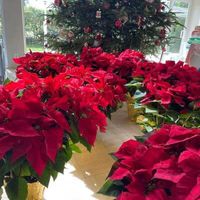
(49, 64)
(123, 64)
(36, 112)
(165, 167)
(170, 83)
(45, 64)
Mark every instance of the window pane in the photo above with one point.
(34, 16)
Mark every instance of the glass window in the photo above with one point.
(35, 25)
(180, 7)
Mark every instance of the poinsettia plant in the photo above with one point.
(164, 167)
(167, 93)
(108, 85)
(122, 64)
(44, 116)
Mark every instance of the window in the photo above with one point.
(34, 17)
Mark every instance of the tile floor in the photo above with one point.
(86, 172)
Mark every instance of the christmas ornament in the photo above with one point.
(98, 40)
(87, 29)
(57, 2)
(98, 36)
(157, 42)
(98, 14)
(117, 5)
(162, 33)
(161, 7)
(118, 24)
(106, 5)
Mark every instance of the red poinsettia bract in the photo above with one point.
(169, 83)
(45, 64)
(165, 167)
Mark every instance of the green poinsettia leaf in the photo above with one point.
(6, 81)
(45, 178)
(150, 110)
(85, 143)
(148, 128)
(75, 148)
(16, 189)
(139, 94)
(111, 188)
(137, 105)
(141, 139)
(172, 116)
(75, 136)
(62, 158)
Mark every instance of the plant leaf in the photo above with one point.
(16, 189)
(111, 188)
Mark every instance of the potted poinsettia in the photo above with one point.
(107, 84)
(122, 64)
(38, 134)
(42, 119)
(167, 93)
(164, 167)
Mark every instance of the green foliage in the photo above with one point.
(16, 189)
(141, 25)
(16, 175)
(34, 19)
(153, 115)
(111, 188)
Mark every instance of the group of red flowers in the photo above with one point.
(58, 96)
(169, 83)
(165, 167)
(54, 97)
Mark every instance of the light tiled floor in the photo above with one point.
(86, 172)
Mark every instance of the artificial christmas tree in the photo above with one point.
(114, 25)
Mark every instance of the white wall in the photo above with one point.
(13, 31)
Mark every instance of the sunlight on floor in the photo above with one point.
(68, 186)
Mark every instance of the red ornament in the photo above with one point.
(98, 14)
(161, 7)
(118, 24)
(98, 36)
(87, 29)
(157, 42)
(57, 2)
(162, 33)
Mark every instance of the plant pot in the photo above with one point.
(132, 112)
(35, 191)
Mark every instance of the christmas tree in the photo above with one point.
(114, 25)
